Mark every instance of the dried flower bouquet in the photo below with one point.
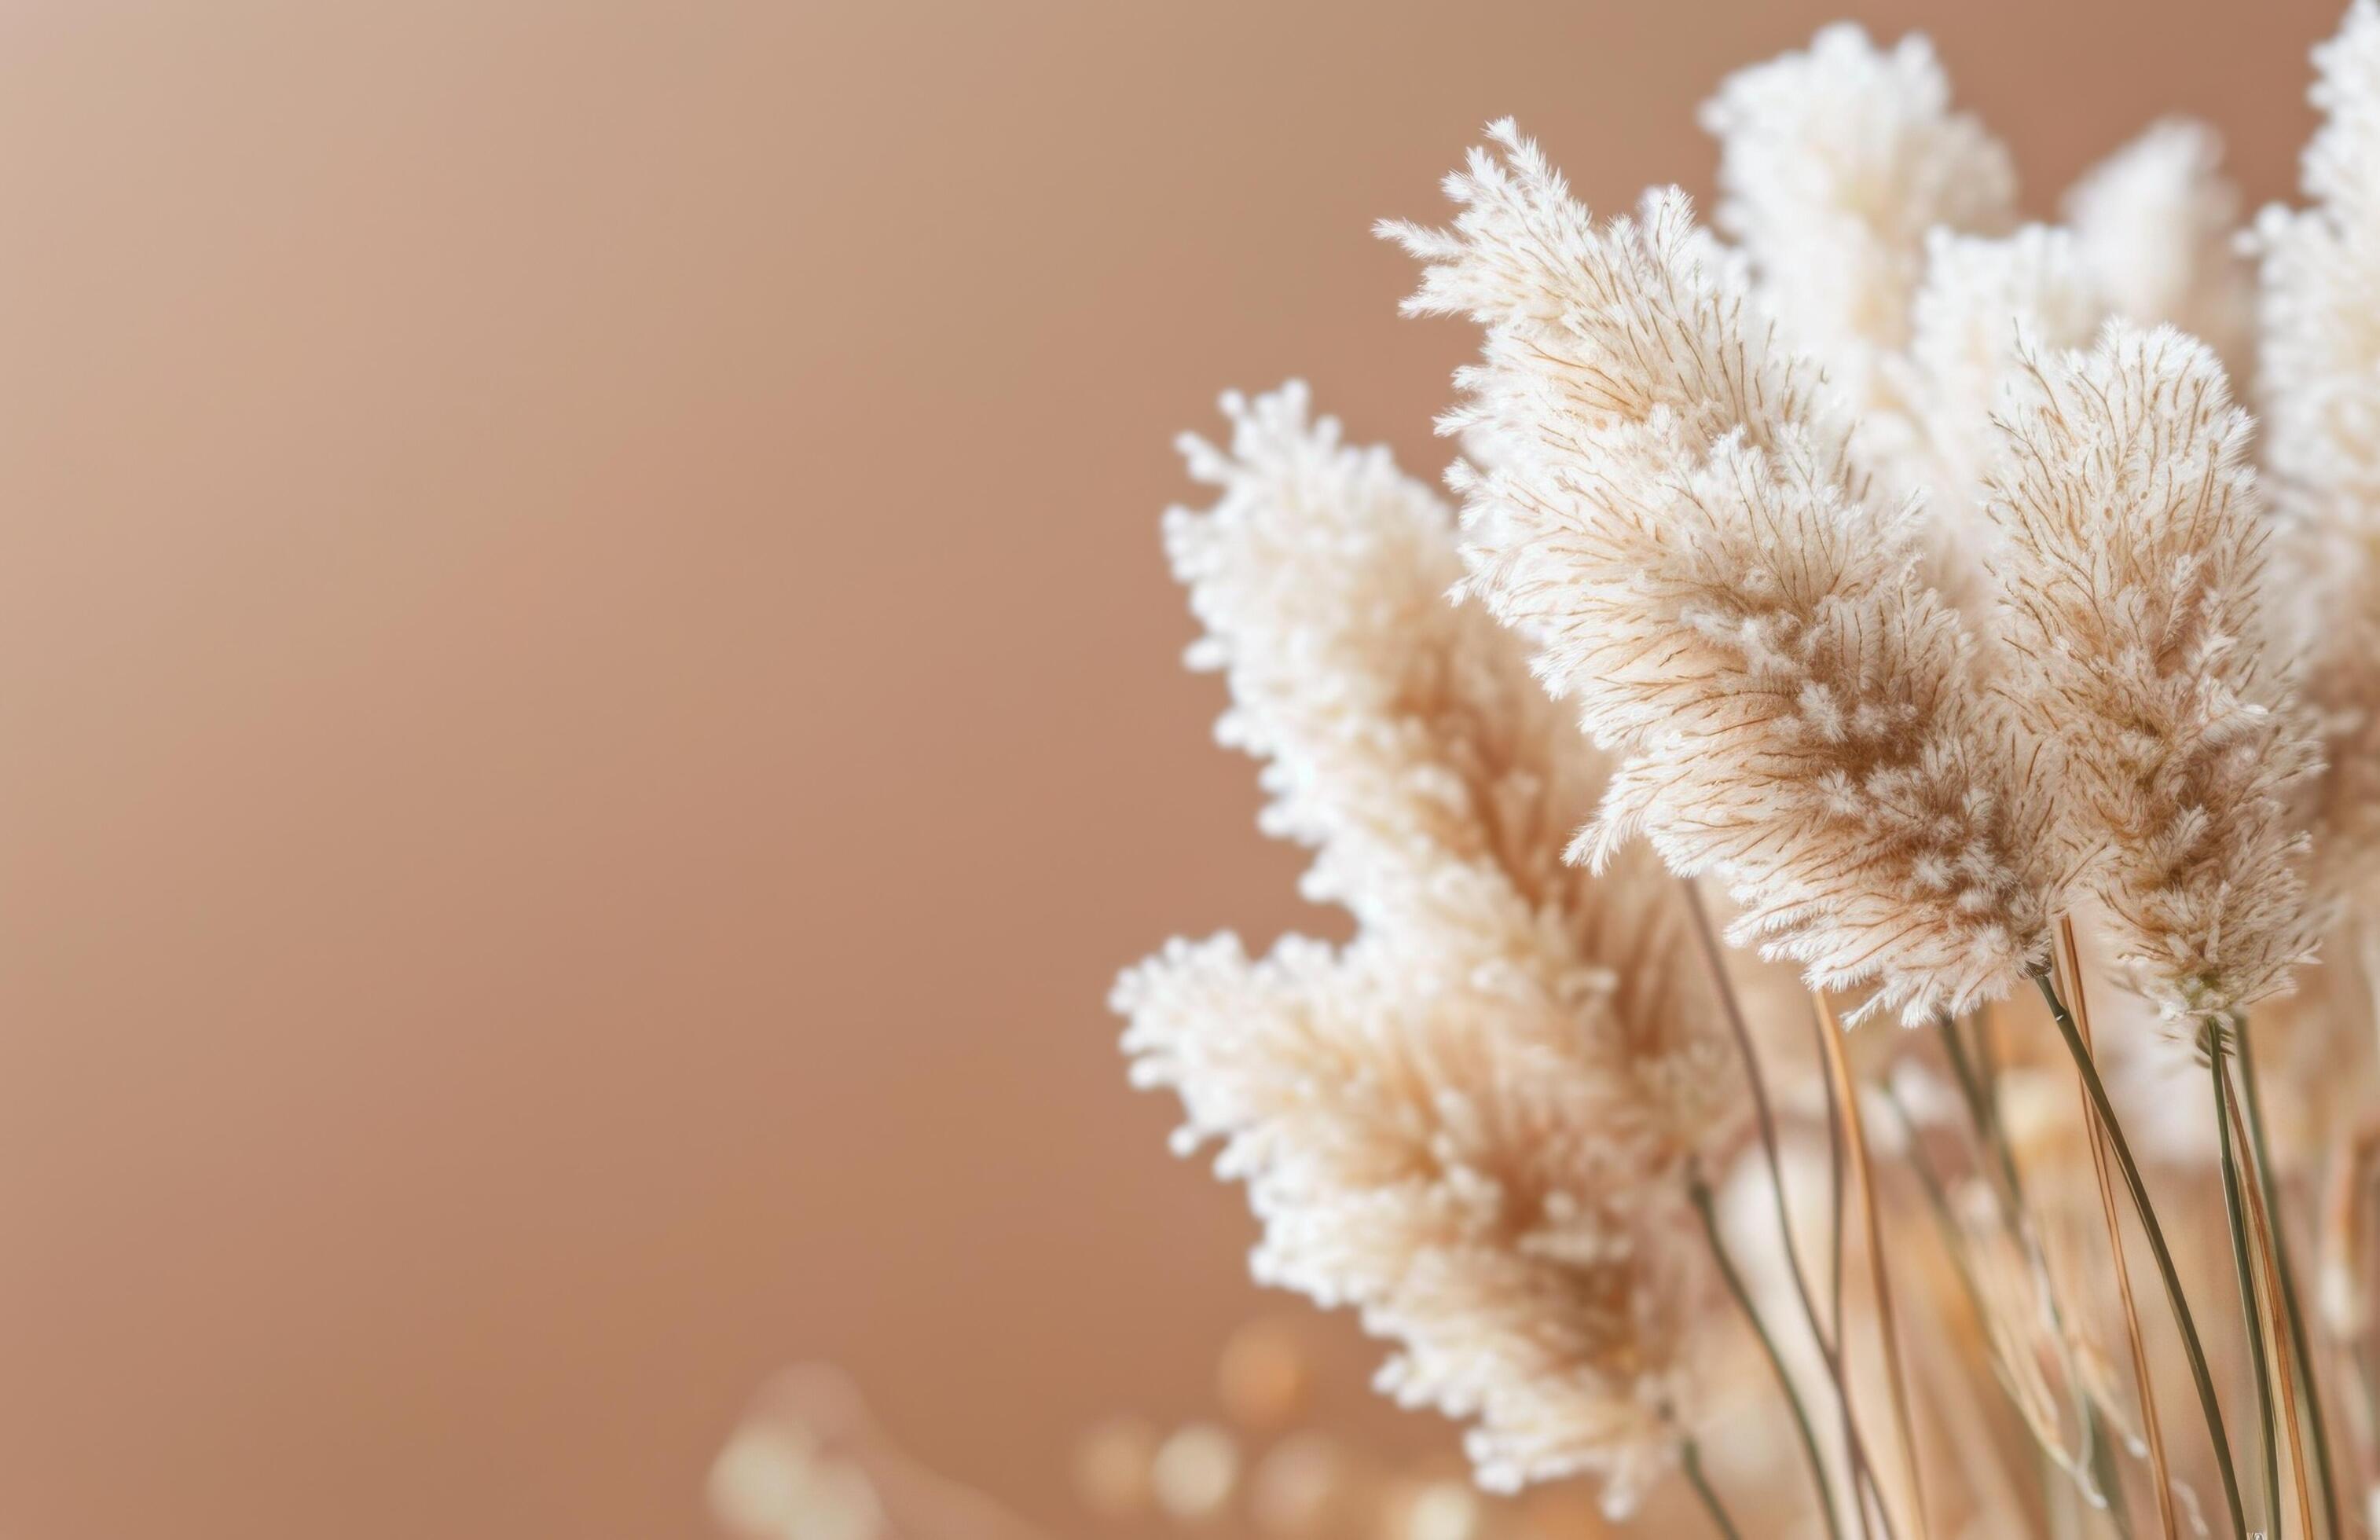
(1915, 586)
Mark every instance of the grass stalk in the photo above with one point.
(2252, 1320)
(1764, 1117)
(1701, 1194)
(2260, 1231)
(2152, 1432)
(2137, 1189)
(1888, 1328)
(2301, 1358)
(1692, 1458)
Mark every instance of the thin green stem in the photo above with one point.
(1979, 1108)
(1692, 1458)
(1836, 1171)
(2251, 1319)
(1937, 1203)
(1763, 1115)
(2292, 1319)
(2193, 1349)
(1701, 1194)
(1830, 1349)
(1987, 1069)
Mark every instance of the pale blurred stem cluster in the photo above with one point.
(1973, 1070)
(2287, 1386)
(1936, 1191)
(2287, 1394)
(1977, 1089)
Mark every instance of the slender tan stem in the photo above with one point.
(2137, 1189)
(1855, 1143)
(1690, 1458)
(2046, 1439)
(2260, 1226)
(2152, 1432)
(1700, 1193)
(2301, 1358)
(2251, 1319)
(2343, 1244)
(1835, 1241)
(1991, 1136)
(1765, 1117)
(1979, 1108)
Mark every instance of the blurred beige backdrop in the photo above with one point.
(590, 694)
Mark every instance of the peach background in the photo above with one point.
(590, 697)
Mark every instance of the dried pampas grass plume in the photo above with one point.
(1475, 1122)
(1682, 524)
(1835, 164)
(2158, 228)
(2319, 402)
(2320, 352)
(1911, 573)
(2133, 564)
(1980, 294)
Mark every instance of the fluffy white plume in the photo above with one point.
(2337, 573)
(2158, 228)
(2133, 564)
(2153, 237)
(2319, 310)
(1409, 1156)
(1835, 163)
(1911, 571)
(1683, 527)
(1980, 294)
(2319, 315)
(1472, 1123)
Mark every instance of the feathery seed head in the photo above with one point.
(2132, 561)
(2158, 228)
(1835, 163)
(1472, 1121)
(1684, 527)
